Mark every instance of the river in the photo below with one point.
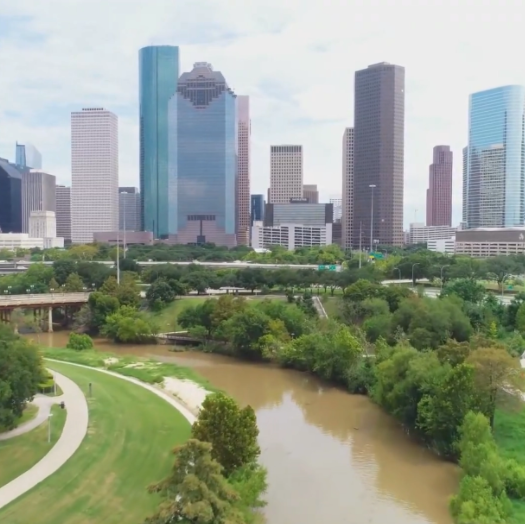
(331, 457)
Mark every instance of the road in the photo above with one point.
(433, 292)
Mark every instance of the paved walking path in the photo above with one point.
(74, 431)
(72, 436)
(44, 404)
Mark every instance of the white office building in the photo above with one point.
(286, 174)
(442, 245)
(43, 225)
(421, 234)
(290, 236)
(337, 202)
(94, 173)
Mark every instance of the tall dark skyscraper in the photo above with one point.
(10, 198)
(203, 144)
(158, 75)
(439, 192)
(379, 134)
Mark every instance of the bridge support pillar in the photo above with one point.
(50, 319)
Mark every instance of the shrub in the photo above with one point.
(79, 341)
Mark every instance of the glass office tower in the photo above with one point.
(495, 180)
(203, 159)
(10, 198)
(158, 74)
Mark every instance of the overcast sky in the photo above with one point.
(294, 58)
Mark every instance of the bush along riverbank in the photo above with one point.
(437, 393)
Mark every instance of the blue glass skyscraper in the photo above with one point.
(495, 170)
(203, 159)
(158, 74)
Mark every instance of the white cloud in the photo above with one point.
(296, 60)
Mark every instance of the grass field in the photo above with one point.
(127, 447)
(509, 431)
(19, 454)
(149, 370)
(166, 320)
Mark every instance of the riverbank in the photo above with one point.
(183, 383)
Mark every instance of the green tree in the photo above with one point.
(79, 341)
(101, 306)
(230, 430)
(21, 372)
(441, 412)
(496, 372)
(62, 269)
(127, 325)
(465, 288)
(159, 295)
(520, 319)
(73, 284)
(110, 286)
(195, 490)
(83, 252)
(201, 315)
(53, 286)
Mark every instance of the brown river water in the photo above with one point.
(331, 457)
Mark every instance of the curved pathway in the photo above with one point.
(44, 405)
(73, 434)
(74, 431)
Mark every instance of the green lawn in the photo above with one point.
(19, 454)
(127, 447)
(332, 305)
(509, 431)
(166, 320)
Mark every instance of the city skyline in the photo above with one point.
(299, 104)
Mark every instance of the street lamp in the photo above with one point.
(372, 187)
(399, 271)
(414, 267)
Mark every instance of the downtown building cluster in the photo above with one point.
(194, 167)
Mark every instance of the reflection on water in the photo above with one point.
(331, 457)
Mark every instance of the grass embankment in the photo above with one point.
(509, 431)
(147, 370)
(127, 447)
(19, 454)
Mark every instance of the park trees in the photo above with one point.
(20, 374)
(159, 295)
(230, 430)
(195, 490)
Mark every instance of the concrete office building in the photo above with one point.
(158, 77)
(311, 192)
(129, 209)
(286, 174)
(294, 225)
(420, 234)
(439, 192)
(495, 180)
(348, 188)
(42, 224)
(28, 157)
(491, 242)
(10, 198)
(203, 159)
(63, 212)
(38, 194)
(379, 122)
(243, 170)
(94, 173)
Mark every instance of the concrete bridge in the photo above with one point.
(40, 302)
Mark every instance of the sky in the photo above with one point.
(295, 59)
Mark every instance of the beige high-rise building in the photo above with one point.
(94, 173)
(38, 194)
(311, 192)
(286, 173)
(242, 189)
(348, 188)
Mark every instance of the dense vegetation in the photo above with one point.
(215, 477)
(21, 373)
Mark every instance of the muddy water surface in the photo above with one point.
(331, 457)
